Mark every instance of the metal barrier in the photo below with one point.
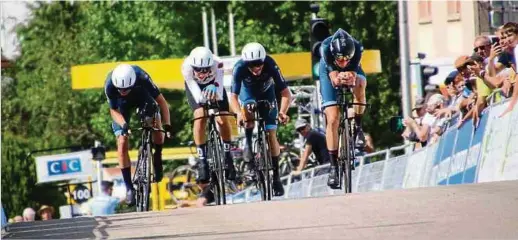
(462, 155)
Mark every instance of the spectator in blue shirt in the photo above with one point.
(104, 204)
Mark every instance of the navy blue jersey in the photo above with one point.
(270, 75)
(143, 87)
(329, 60)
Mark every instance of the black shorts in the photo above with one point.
(223, 104)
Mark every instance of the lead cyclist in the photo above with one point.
(340, 66)
(203, 74)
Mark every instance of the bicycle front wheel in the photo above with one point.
(346, 157)
(267, 160)
(143, 177)
(217, 176)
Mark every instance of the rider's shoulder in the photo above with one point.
(141, 73)
(239, 67)
(269, 61)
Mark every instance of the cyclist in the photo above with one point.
(315, 142)
(127, 87)
(340, 66)
(203, 74)
(255, 77)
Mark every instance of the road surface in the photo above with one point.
(488, 211)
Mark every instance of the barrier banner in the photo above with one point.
(493, 150)
(460, 153)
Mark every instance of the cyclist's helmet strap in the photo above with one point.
(342, 44)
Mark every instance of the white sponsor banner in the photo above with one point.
(69, 166)
(494, 143)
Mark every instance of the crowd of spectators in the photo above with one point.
(484, 77)
(29, 215)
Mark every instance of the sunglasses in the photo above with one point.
(480, 47)
(255, 63)
(342, 58)
(201, 69)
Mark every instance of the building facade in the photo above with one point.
(444, 30)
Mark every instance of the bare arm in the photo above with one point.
(117, 117)
(285, 100)
(421, 131)
(164, 109)
(234, 103)
(304, 157)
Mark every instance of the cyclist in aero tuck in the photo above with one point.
(203, 74)
(128, 87)
(255, 77)
(340, 66)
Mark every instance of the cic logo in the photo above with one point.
(64, 166)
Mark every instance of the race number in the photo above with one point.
(81, 194)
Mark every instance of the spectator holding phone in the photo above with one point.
(510, 34)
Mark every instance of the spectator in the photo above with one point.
(420, 110)
(430, 123)
(469, 95)
(104, 204)
(482, 46)
(46, 212)
(29, 215)
(510, 34)
(315, 142)
(455, 88)
(369, 143)
(18, 218)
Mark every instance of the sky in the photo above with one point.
(12, 13)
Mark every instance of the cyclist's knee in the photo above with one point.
(332, 118)
(198, 112)
(223, 121)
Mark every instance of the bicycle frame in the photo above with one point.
(144, 169)
(263, 157)
(345, 143)
(215, 154)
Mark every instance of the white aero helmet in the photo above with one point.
(124, 76)
(201, 57)
(252, 52)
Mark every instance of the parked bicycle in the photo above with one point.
(144, 170)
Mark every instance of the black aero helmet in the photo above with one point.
(342, 45)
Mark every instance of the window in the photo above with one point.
(453, 10)
(425, 11)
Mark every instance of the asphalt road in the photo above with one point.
(481, 211)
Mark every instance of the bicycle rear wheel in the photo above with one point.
(143, 176)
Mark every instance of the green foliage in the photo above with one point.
(40, 110)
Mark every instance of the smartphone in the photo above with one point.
(495, 39)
